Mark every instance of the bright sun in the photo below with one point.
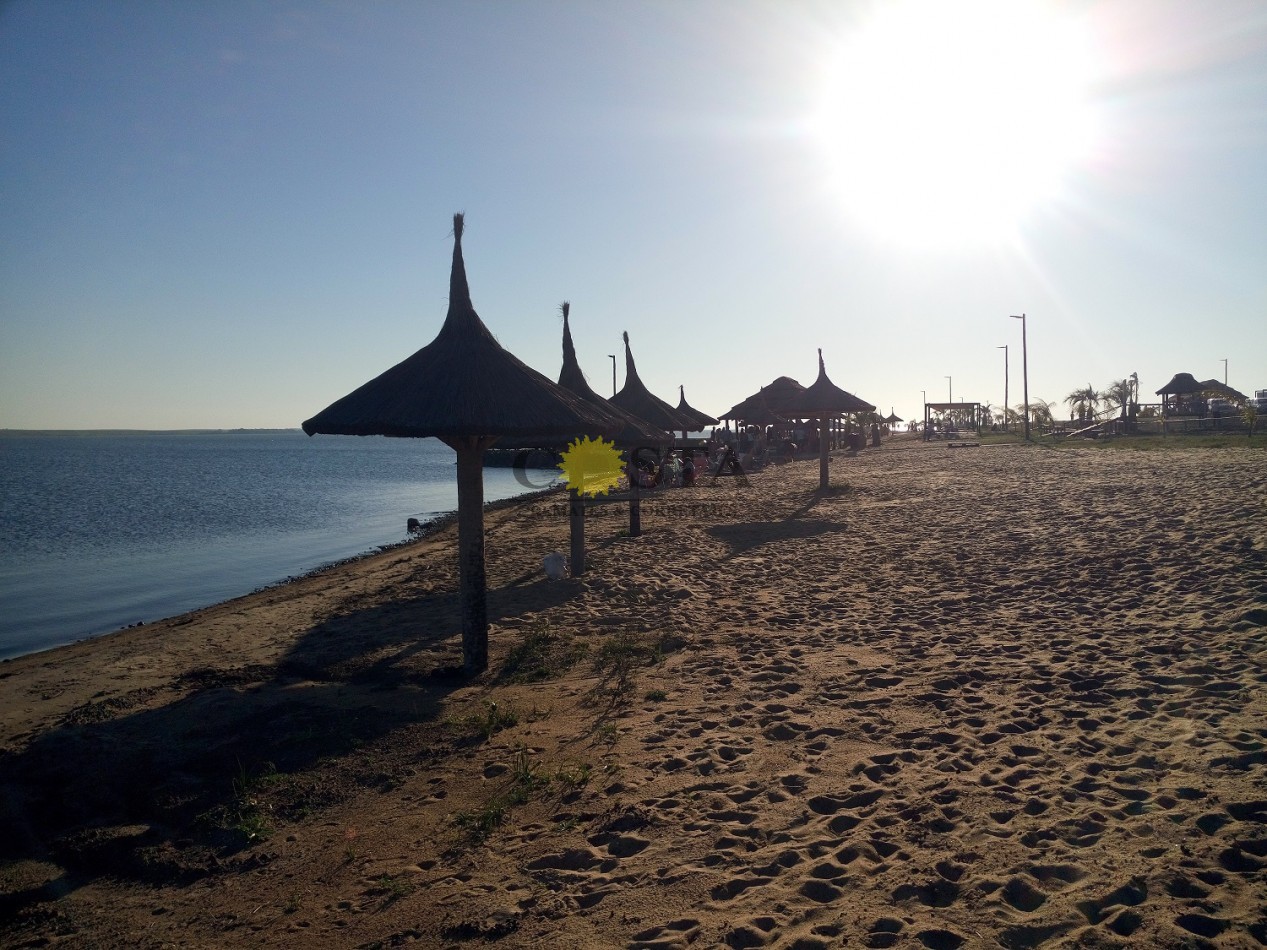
(945, 122)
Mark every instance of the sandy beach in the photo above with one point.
(998, 696)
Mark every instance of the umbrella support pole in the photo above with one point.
(822, 452)
(472, 580)
(576, 525)
(635, 506)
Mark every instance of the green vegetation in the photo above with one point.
(541, 654)
(1173, 442)
(622, 655)
(528, 780)
(246, 814)
(494, 719)
(391, 888)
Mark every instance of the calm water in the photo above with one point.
(99, 531)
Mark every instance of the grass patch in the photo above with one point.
(390, 888)
(528, 780)
(541, 654)
(1174, 442)
(623, 655)
(246, 814)
(485, 725)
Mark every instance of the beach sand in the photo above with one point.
(996, 696)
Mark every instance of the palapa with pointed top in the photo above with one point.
(636, 398)
(466, 390)
(633, 431)
(823, 400)
(632, 434)
(702, 419)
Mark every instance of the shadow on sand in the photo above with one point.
(172, 783)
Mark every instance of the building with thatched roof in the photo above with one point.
(1184, 393)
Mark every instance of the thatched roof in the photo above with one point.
(781, 394)
(823, 397)
(636, 398)
(461, 384)
(754, 410)
(893, 417)
(632, 431)
(1221, 389)
(702, 419)
(1181, 384)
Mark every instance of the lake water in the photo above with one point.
(99, 531)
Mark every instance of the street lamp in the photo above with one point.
(1024, 369)
(1006, 427)
(612, 357)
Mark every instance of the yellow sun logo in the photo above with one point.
(591, 467)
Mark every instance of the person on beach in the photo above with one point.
(728, 464)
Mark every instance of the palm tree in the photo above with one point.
(1120, 393)
(1082, 403)
(1039, 411)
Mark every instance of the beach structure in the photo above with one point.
(824, 400)
(634, 431)
(781, 396)
(633, 434)
(702, 419)
(753, 411)
(1175, 395)
(1180, 385)
(466, 390)
(634, 397)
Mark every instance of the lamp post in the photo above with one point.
(1225, 372)
(1006, 427)
(612, 357)
(1024, 369)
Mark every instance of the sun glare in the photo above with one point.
(945, 122)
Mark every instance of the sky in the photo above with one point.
(229, 214)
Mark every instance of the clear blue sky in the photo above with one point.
(229, 214)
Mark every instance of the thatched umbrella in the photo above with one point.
(636, 398)
(464, 389)
(701, 419)
(782, 396)
(754, 410)
(633, 431)
(823, 400)
(632, 434)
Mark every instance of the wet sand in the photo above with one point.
(978, 697)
